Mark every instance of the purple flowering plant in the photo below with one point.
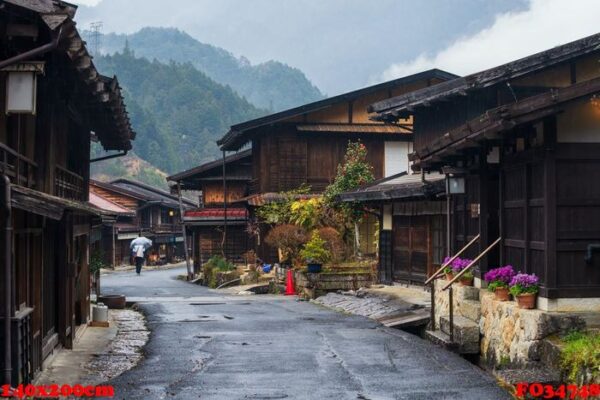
(458, 265)
(524, 283)
(499, 277)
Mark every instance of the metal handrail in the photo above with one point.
(472, 263)
(454, 257)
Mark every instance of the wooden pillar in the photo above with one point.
(550, 208)
(484, 210)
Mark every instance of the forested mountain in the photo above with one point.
(271, 85)
(177, 111)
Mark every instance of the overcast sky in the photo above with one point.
(342, 45)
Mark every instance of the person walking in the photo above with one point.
(139, 246)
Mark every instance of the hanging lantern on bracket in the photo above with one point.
(21, 87)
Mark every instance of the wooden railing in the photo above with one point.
(433, 277)
(68, 185)
(20, 169)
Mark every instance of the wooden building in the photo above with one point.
(118, 220)
(53, 102)
(526, 138)
(155, 214)
(219, 216)
(304, 145)
(411, 209)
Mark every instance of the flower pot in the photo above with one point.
(502, 294)
(449, 276)
(526, 300)
(314, 268)
(466, 281)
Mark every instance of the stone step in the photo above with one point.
(467, 293)
(443, 339)
(470, 309)
(466, 333)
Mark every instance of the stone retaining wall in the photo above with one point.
(460, 297)
(509, 336)
(315, 285)
(513, 335)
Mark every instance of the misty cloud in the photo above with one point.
(545, 24)
(339, 44)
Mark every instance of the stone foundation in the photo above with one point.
(569, 305)
(510, 335)
(464, 298)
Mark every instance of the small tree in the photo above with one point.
(315, 251)
(288, 239)
(355, 172)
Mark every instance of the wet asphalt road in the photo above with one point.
(204, 345)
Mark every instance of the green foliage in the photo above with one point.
(270, 85)
(355, 172)
(213, 268)
(468, 275)
(177, 111)
(517, 290)
(280, 212)
(220, 263)
(97, 261)
(580, 356)
(492, 286)
(306, 212)
(314, 250)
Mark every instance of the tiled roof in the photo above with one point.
(105, 204)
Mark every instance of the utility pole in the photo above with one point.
(96, 36)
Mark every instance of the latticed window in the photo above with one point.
(438, 235)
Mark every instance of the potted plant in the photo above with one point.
(466, 279)
(498, 280)
(457, 266)
(448, 270)
(314, 253)
(524, 287)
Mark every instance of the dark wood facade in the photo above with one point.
(305, 145)
(530, 159)
(218, 227)
(412, 225)
(44, 153)
(155, 215)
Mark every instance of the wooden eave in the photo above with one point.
(47, 205)
(493, 122)
(197, 173)
(391, 109)
(385, 129)
(238, 135)
(107, 114)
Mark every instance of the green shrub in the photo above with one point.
(314, 251)
(97, 261)
(220, 263)
(213, 267)
(580, 357)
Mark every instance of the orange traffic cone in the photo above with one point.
(289, 283)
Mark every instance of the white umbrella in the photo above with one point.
(141, 241)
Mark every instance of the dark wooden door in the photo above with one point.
(411, 248)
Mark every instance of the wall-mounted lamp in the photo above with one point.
(21, 87)
(455, 180)
(171, 213)
(595, 103)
